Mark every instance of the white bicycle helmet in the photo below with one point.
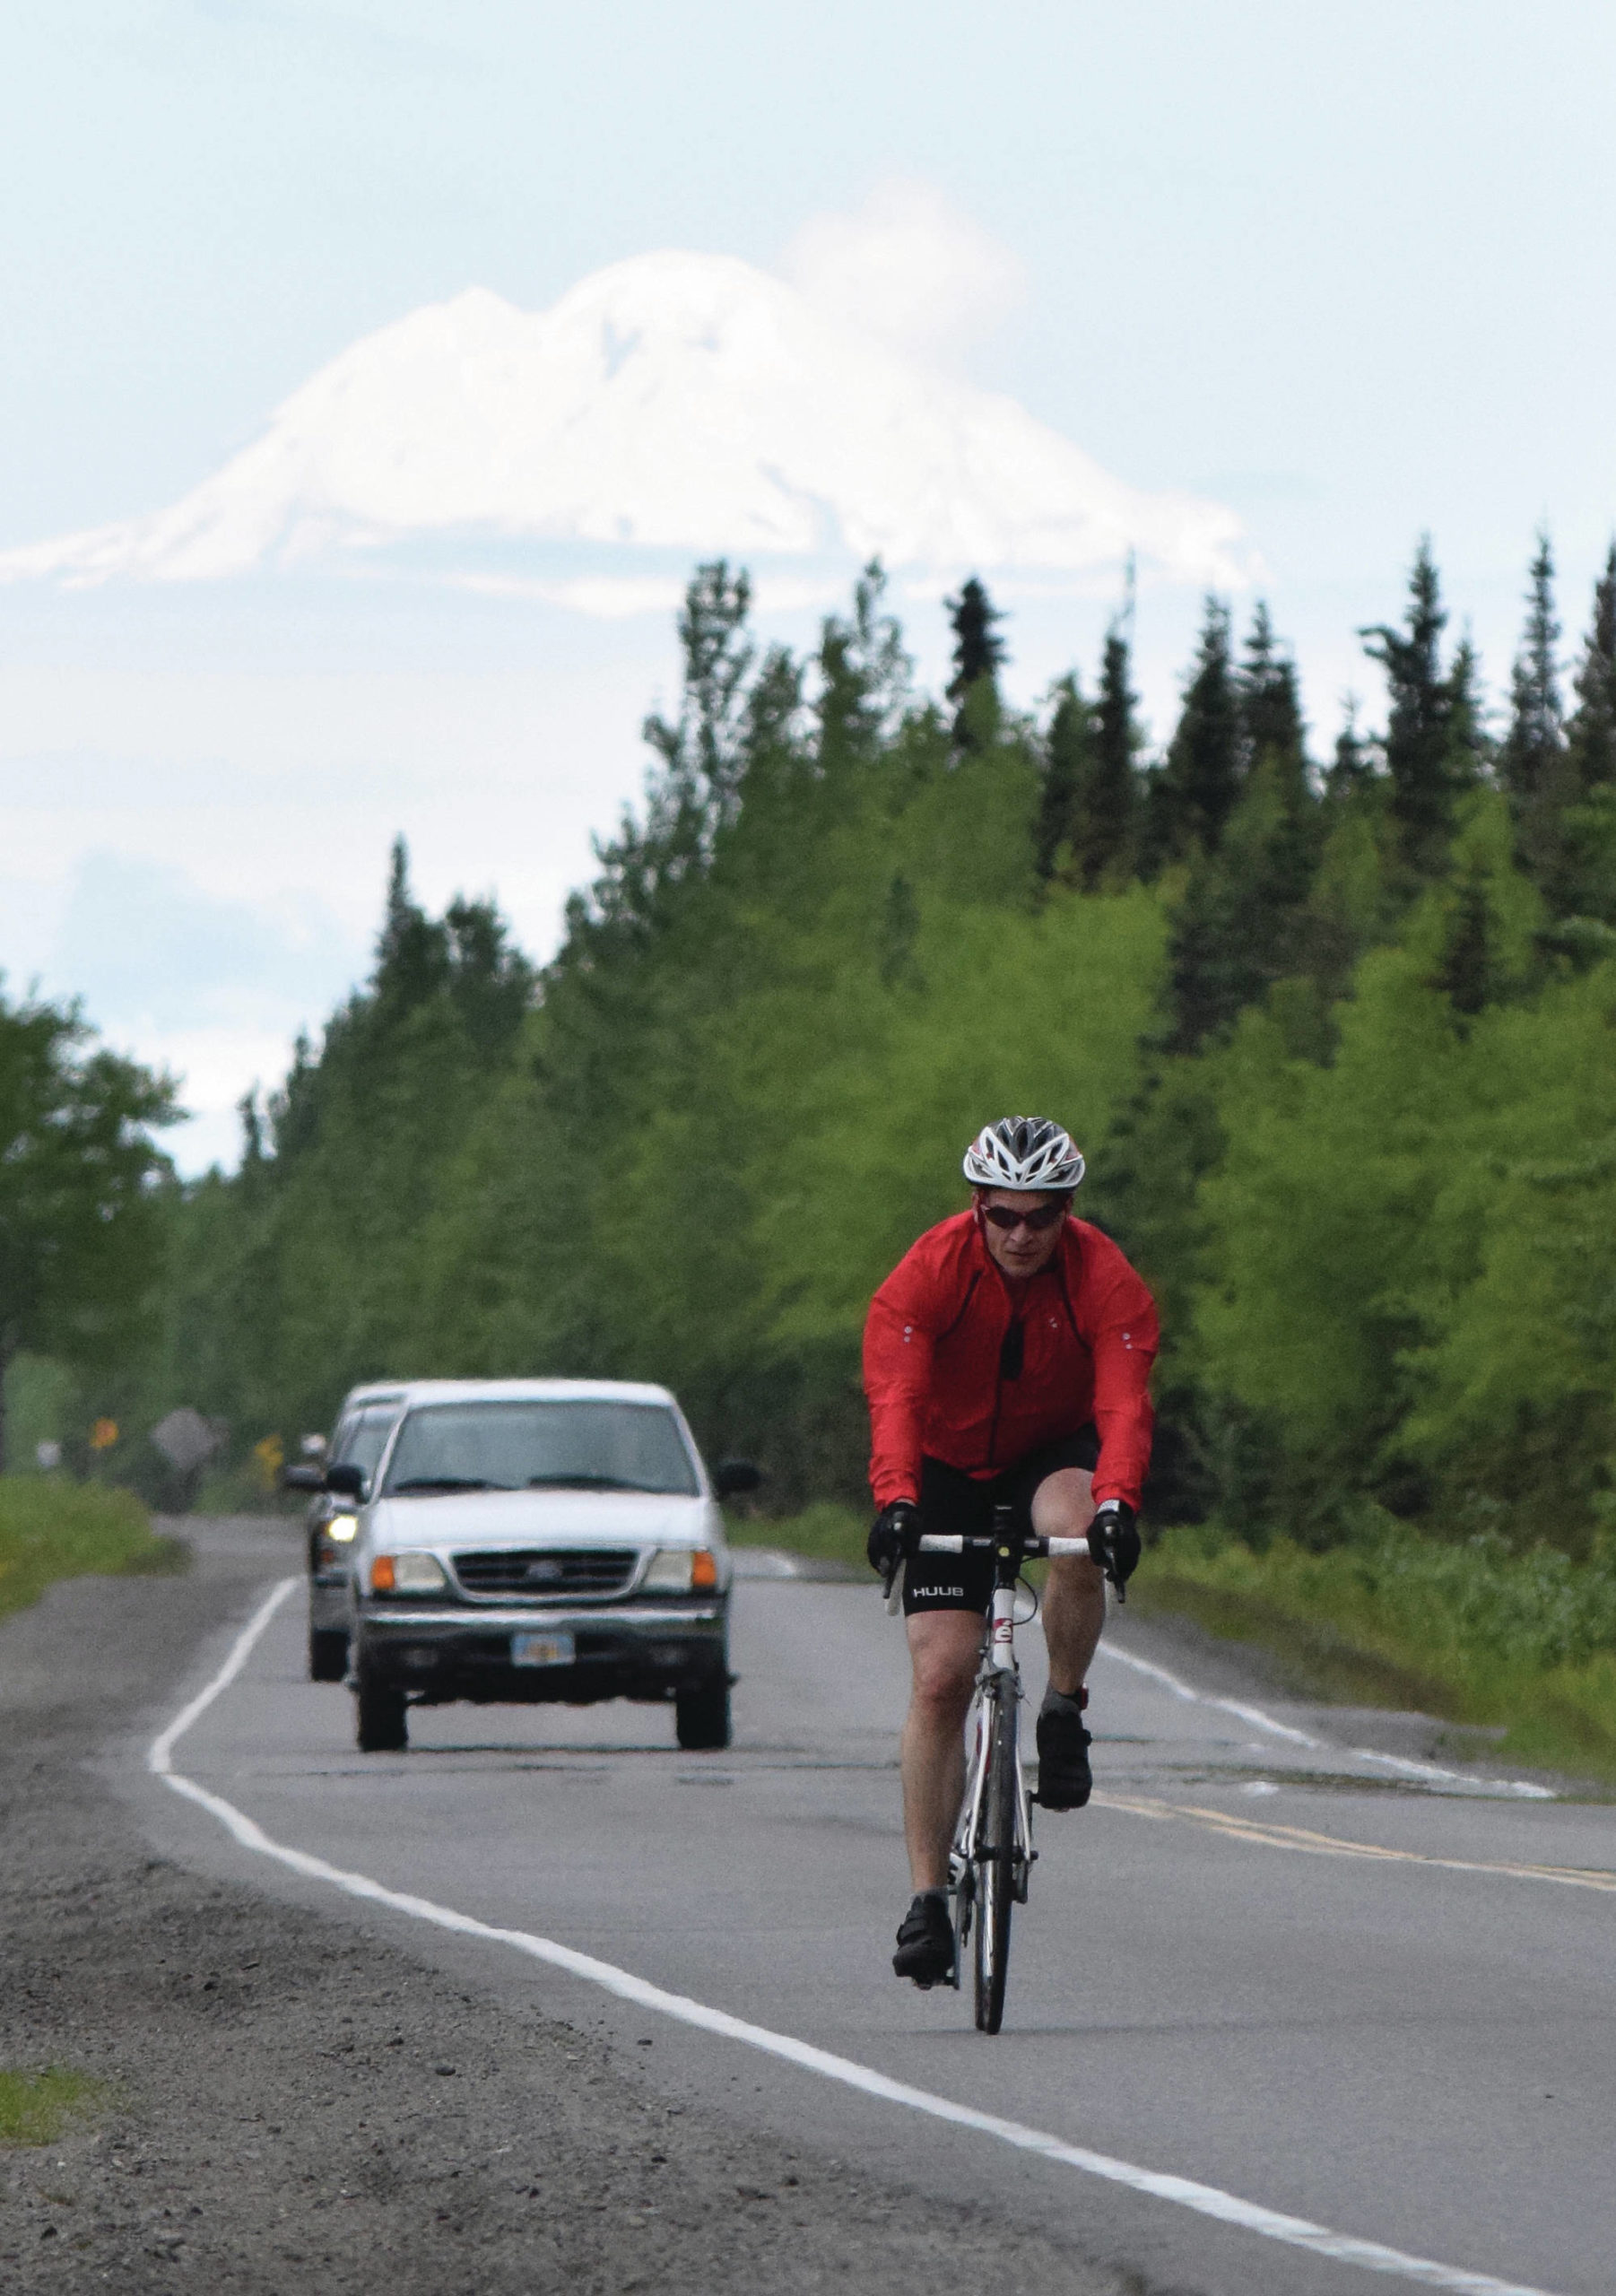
(1023, 1153)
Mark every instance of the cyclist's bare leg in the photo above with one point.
(1074, 1600)
(944, 1648)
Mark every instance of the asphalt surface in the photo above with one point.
(1208, 1981)
(286, 2098)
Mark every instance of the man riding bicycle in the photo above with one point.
(1007, 1363)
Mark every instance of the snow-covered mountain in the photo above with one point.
(671, 404)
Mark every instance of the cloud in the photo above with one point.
(213, 990)
(908, 267)
(147, 948)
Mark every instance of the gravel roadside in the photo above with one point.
(288, 2102)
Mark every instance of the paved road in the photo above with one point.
(1417, 2049)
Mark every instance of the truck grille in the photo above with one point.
(547, 1570)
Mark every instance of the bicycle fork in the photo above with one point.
(1001, 1665)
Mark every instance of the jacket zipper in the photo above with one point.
(998, 1381)
(1059, 1273)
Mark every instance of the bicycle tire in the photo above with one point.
(995, 1875)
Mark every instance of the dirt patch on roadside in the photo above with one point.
(294, 2104)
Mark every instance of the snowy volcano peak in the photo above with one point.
(670, 403)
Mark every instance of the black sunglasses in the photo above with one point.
(1005, 1217)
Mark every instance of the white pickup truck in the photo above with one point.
(520, 1540)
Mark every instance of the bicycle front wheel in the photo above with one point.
(996, 1857)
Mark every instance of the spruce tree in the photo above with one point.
(1068, 764)
(1197, 788)
(1584, 888)
(1466, 973)
(412, 952)
(1592, 728)
(1270, 703)
(1470, 753)
(1533, 764)
(1240, 926)
(1104, 828)
(1418, 740)
(1351, 769)
(979, 655)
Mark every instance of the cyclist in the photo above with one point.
(1007, 1361)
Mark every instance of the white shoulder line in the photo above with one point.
(1206, 2200)
(1258, 1720)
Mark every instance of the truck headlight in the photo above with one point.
(680, 1571)
(406, 1574)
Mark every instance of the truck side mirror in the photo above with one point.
(734, 1476)
(345, 1480)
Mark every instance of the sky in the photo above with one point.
(1348, 272)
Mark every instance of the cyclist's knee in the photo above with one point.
(944, 1682)
(1075, 1575)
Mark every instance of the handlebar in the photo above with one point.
(1033, 1549)
(1030, 1547)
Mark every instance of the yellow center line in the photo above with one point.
(1331, 1845)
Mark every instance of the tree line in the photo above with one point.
(1335, 1032)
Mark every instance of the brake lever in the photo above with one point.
(1107, 1567)
(892, 1590)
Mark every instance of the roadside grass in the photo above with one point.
(35, 2108)
(830, 1532)
(1522, 1646)
(51, 1529)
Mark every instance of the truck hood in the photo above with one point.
(515, 1519)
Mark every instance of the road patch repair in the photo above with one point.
(1226, 2208)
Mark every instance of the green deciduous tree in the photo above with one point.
(79, 1234)
(1344, 1078)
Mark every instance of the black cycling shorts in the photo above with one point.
(953, 1503)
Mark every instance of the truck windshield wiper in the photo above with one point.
(581, 1482)
(444, 1482)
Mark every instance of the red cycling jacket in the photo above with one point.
(934, 1361)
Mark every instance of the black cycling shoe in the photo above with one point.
(1065, 1781)
(926, 1943)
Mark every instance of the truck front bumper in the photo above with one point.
(640, 1650)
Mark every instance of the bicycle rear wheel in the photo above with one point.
(995, 1854)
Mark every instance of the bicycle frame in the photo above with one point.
(988, 1873)
(999, 1677)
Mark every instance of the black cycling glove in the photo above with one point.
(890, 1535)
(1114, 1542)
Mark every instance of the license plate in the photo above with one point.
(541, 1650)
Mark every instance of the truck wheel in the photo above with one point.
(383, 1729)
(701, 1717)
(328, 1654)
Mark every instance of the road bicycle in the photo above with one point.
(991, 1861)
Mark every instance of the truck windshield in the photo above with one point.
(362, 1441)
(583, 1446)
